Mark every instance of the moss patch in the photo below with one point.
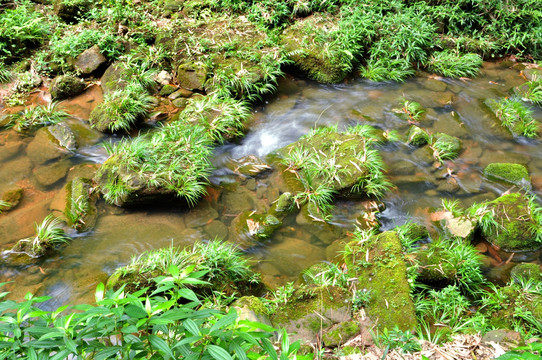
(381, 269)
(516, 174)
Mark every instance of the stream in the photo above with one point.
(454, 107)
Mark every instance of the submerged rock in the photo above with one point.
(63, 135)
(44, 147)
(516, 174)
(47, 175)
(417, 136)
(89, 60)
(248, 166)
(66, 86)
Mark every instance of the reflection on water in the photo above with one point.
(452, 106)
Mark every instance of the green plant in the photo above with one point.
(37, 116)
(532, 351)
(280, 296)
(516, 117)
(454, 65)
(360, 299)
(534, 91)
(326, 274)
(4, 206)
(445, 147)
(132, 325)
(412, 109)
(396, 338)
(5, 74)
(49, 234)
(384, 69)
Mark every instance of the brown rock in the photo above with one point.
(89, 60)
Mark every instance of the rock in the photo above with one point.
(384, 274)
(505, 337)
(44, 147)
(12, 196)
(200, 216)
(417, 136)
(282, 206)
(333, 251)
(21, 224)
(293, 256)
(63, 135)
(248, 166)
(216, 230)
(163, 78)
(526, 271)
(516, 174)
(47, 175)
(309, 312)
(248, 228)
(66, 86)
(89, 60)
(15, 170)
(71, 10)
(448, 185)
(167, 90)
(180, 93)
(10, 150)
(80, 209)
(251, 308)
(239, 200)
(340, 333)
(180, 103)
(434, 85)
(448, 142)
(112, 80)
(513, 216)
(192, 76)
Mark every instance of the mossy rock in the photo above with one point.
(282, 206)
(63, 135)
(309, 311)
(167, 90)
(112, 79)
(257, 226)
(417, 136)
(90, 60)
(66, 86)
(306, 53)
(192, 75)
(452, 143)
(340, 333)
(12, 197)
(80, 210)
(526, 271)
(515, 222)
(72, 10)
(515, 174)
(248, 166)
(384, 274)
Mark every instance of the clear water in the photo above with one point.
(453, 107)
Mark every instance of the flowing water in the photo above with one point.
(452, 106)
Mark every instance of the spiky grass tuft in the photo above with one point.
(37, 116)
(454, 65)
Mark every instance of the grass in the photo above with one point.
(454, 65)
(121, 109)
(516, 117)
(49, 234)
(412, 109)
(445, 147)
(534, 91)
(385, 69)
(4, 206)
(37, 116)
(5, 74)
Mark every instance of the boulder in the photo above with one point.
(192, 75)
(71, 10)
(112, 79)
(47, 175)
(44, 147)
(417, 136)
(510, 173)
(63, 135)
(66, 86)
(527, 271)
(167, 90)
(12, 196)
(340, 333)
(89, 60)
(80, 209)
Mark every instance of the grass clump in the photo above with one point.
(411, 110)
(171, 161)
(454, 65)
(515, 116)
(221, 265)
(5, 74)
(49, 234)
(121, 109)
(22, 28)
(533, 92)
(327, 162)
(384, 69)
(37, 116)
(444, 146)
(5, 206)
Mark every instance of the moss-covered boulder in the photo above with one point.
(11, 198)
(112, 79)
(66, 86)
(340, 333)
(283, 205)
(80, 210)
(72, 10)
(380, 268)
(304, 41)
(309, 311)
(510, 173)
(192, 76)
(527, 271)
(252, 308)
(515, 224)
(417, 136)
(445, 147)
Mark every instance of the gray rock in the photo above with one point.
(63, 135)
(44, 147)
(89, 60)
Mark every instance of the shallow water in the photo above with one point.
(453, 106)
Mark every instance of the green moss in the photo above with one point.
(384, 274)
(526, 271)
(417, 136)
(340, 333)
(80, 208)
(66, 86)
(516, 174)
(516, 228)
(253, 303)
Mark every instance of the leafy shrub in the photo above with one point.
(454, 65)
(22, 28)
(127, 326)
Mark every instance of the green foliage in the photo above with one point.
(516, 117)
(445, 147)
(384, 69)
(454, 65)
(37, 116)
(398, 339)
(5, 74)
(169, 326)
(49, 234)
(534, 91)
(121, 109)
(411, 109)
(326, 274)
(361, 299)
(532, 351)
(4, 206)
(22, 28)
(176, 158)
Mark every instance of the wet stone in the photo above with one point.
(177, 93)
(293, 256)
(248, 166)
(47, 175)
(10, 150)
(180, 102)
(15, 170)
(200, 216)
(66, 86)
(434, 85)
(63, 135)
(216, 230)
(43, 148)
(192, 76)
(167, 90)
